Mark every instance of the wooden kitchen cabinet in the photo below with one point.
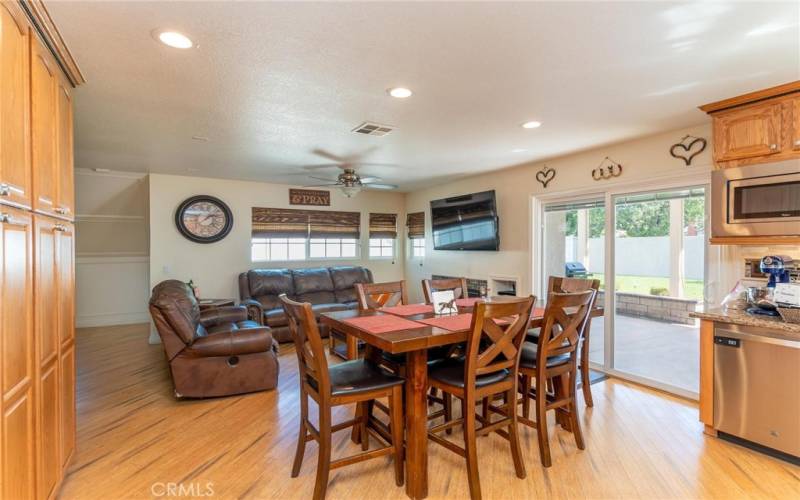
(65, 190)
(44, 81)
(758, 127)
(17, 358)
(753, 131)
(37, 254)
(795, 130)
(66, 340)
(55, 357)
(15, 102)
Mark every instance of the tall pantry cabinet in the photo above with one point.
(37, 257)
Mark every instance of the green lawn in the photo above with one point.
(693, 289)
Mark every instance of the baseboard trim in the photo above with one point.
(111, 319)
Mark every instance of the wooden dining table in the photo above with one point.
(414, 342)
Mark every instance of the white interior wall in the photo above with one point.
(215, 267)
(645, 161)
(112, 264)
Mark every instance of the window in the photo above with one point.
(327, 248)
(418, 247)
(284, 249)
(381, 247)
(278, 249)
(280, 234)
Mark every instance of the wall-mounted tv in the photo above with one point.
(466, 222)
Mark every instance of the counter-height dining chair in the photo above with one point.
(459, 288)
(552, 361)
(457, 285)
(358, 381)
(377, 295)
(373, 296)
(488, 369)
(568, 285)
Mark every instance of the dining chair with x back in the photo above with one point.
(489, 368)
(358, 381)
(554, 359)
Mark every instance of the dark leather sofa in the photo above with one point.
(326, 288)
(216, 352)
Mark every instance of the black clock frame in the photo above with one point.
(210, 199)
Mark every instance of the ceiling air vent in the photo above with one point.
(370, 128)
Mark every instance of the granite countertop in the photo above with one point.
(742, 318)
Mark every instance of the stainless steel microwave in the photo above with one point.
(756, 200)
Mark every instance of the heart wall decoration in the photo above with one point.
(545, 175)
(686, 151)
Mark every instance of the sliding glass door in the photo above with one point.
(654, 263)
(574, 246)
(659, 269)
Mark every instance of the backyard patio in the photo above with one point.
(662, 351)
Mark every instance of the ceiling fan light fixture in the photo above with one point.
(350, 191)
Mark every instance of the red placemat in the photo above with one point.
(382, 323)
(409, 309)
(537, 312)
(452, 323)
(467, 302)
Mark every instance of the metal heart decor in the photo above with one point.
(545, 175)
(687, 151)
(605, 172)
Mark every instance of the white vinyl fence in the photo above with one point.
(645, 256)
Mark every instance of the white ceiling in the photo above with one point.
(271, 83)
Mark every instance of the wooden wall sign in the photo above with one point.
(313, 197)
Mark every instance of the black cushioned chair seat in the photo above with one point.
(451, 372)
(435, 355)
(352, 377)
(528, 357)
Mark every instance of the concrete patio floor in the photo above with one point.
(666, 352)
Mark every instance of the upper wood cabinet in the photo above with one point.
(759, 127)
(44, 81)
(795, 129)
(65, 200)
(15, 104)
(748, 132)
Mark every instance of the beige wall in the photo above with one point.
(214, 267)
(645, 160)
(111, 248)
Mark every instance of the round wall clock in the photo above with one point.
(204, 219)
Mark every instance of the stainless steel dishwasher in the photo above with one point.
(757, 386)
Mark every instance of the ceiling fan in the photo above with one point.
(350, 183)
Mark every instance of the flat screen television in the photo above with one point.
(466, 222)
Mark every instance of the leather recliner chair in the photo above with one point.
(216, 352)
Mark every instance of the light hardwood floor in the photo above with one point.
(134, 438)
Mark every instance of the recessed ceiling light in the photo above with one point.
(400, 92)
(533, 124)
(518, 150)
(174, 39)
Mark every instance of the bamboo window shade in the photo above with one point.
(416, 225)
(383, 226)
(292, 223)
